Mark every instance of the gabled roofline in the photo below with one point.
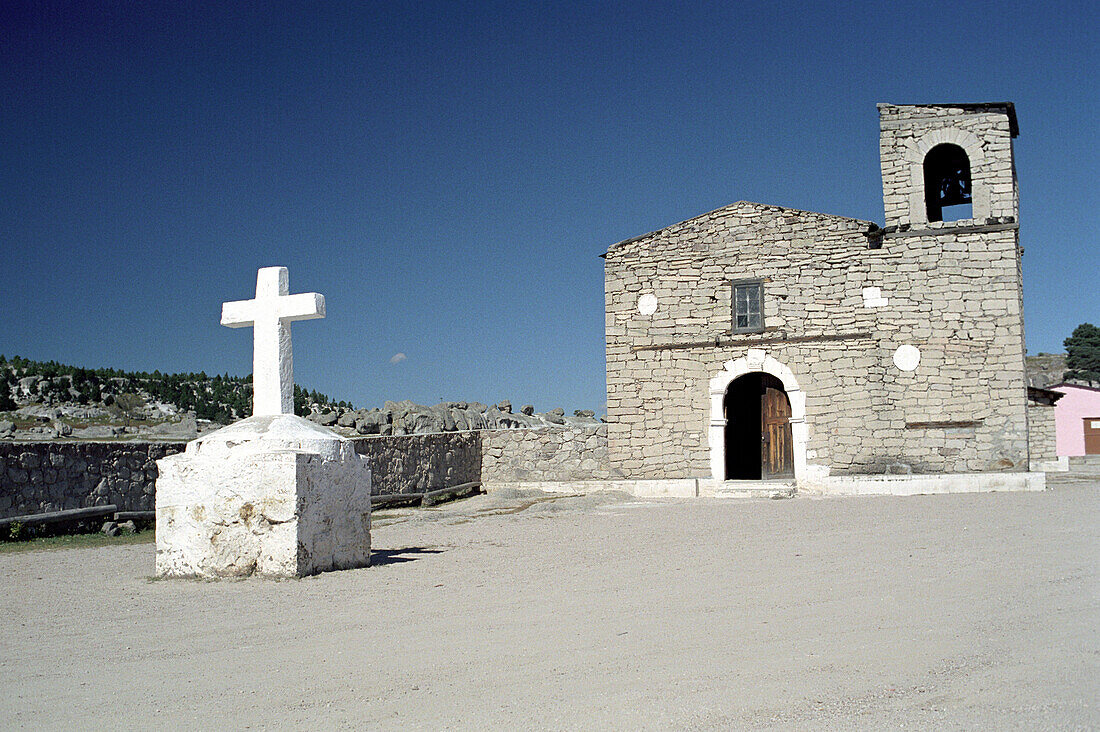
(871, 226)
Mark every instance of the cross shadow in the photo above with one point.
(380, 557)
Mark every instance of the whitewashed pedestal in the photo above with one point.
(271, 495)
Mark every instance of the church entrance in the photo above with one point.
(758, 438)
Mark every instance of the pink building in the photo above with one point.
(1077, 418)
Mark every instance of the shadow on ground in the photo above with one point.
(380, 557)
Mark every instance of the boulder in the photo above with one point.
(511, 421)
(505, 407)
(370, 422)
(38, 413)
(492, 418)
(525, 420)
(6, 427)
(528, 409)
(325, 419)
(475, 419)
(458, 416)
(584, 413)
(423, 422)
(555, 416)
(444, 413)
(404, 405)
(347, 419)
(28, 384)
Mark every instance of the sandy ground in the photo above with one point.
(967, 611)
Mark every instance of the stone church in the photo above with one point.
(758, 342)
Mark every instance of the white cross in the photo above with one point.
(270, 315)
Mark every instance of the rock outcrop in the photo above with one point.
(408, 418)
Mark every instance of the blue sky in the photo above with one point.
(447, 174)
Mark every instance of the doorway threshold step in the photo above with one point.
(754, 489)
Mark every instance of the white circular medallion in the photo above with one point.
(906, 357)
(647, 304)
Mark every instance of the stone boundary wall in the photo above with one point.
(37, 477)
(420, 463)
(1041, 432)
(571, 454)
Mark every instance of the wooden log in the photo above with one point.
(390, 500)
(459, 491)
(135, 515)
(54, 517)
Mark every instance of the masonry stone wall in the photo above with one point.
(421, 463)
(908, 132)
(38, 477)
(1041, 432)
(546, 455)
(955, 294)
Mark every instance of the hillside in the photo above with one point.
(47, 400)
(1045, 369)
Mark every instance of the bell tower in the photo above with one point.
(948, 166)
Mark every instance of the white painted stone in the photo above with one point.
(814, 480)
(270, 314)
(907, 357)
(273, 495)
(872, 298)
(647, 304)
(746, 489)
(677, 488)
(1059, 464)
(912, 485)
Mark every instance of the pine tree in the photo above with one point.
(7, 404)
(1083, 354)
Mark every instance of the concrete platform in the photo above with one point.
(837, 485)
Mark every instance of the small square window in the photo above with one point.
(748, 306)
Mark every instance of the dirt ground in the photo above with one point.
(976, 611)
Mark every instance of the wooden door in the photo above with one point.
(776, 445)
(1092, 435)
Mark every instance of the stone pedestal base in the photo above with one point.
(276, 496)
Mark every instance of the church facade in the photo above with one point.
(757, 342)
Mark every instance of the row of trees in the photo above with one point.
(219, 398)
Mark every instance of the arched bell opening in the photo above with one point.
(948, 192)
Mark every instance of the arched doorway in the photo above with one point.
(758, 438)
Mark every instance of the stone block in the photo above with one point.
(275, 496)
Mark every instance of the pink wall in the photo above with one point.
(1069, 414)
